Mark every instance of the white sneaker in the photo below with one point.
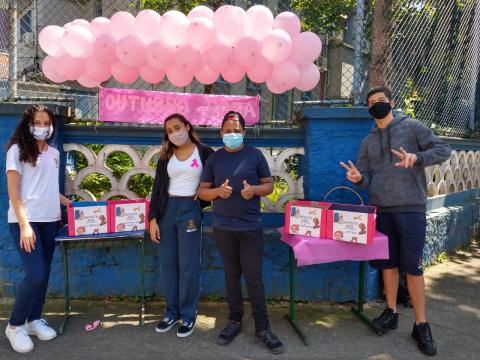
(19, 339)
(40, 329)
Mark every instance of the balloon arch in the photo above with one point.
(204, 44)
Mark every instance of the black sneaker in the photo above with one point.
(387, 321)
(423, 336)
(185, 329)
(272, 342)
(229, 333)
(166, 324)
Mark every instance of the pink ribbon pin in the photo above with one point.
(194, 163)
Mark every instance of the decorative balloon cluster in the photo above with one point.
(230, 42)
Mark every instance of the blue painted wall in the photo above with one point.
(330, 135)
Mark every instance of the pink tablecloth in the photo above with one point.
(310, 251)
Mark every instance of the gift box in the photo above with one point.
(351, 223)
(306, 218)
(88, 218)
(128, 215)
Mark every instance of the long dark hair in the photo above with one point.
(22, 136)
(168, 147)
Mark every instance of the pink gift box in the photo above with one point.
(307, 218)
(128, 215)
(351, 223)
(88, 218)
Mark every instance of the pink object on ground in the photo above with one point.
(93, 325)
(310, 251)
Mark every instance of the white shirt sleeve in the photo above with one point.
(13, 159)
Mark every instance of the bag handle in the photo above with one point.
(344, 188)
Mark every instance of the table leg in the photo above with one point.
(292, 317)
(142, 281)
(66, 288)
(358, 310)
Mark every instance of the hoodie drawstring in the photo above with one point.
(389, 144)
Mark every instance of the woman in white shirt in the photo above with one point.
(176, 222)
(33, 188)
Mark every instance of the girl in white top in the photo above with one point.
(33, 188)
(176, 222)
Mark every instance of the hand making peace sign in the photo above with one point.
(407, 159)
(352, 172)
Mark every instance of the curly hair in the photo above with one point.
(22, 136)
(168, 148)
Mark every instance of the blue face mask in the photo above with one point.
(233, 141)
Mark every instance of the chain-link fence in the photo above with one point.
(432, 51)
(433, 62)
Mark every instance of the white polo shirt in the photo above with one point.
(39, 185)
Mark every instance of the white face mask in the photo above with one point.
(41, 133)
(178, 138)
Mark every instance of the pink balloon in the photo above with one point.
(82, 22)
(261, 72)
(274, 88)
(286, 75)
(188, 59)
(104, 48)
(201, 33)
(130, 51)
(50, 67)
(122, 24)
(50, 39)
(229, 22)
(173, 27)
(100, 25)
(309, 78)
(159, 54)
(124, 74)
(247, 51)
(218, 56)
(201, 11)
(277, 45)
(97, 70)
(289, 22)
(233, 72)
(70, 68)
(178, 77)
(146, 24)
(151, 75)
(206, 75)
(87, 82)
(307, 46)
(78, 41)
(258, 21)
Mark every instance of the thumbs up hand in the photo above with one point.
(224, 191)
(248, 190)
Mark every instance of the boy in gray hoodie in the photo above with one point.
(391, 164)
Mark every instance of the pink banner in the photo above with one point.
(152, 107)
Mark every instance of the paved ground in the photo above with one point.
(453, 311)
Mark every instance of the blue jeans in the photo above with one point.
(180, 257)
(30, 293)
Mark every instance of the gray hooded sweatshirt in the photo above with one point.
(399, 189)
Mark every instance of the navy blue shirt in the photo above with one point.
(236, 213)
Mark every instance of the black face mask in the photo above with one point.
(380, 109)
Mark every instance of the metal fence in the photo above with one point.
(433, 62)
(433, 52)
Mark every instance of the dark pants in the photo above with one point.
(180, 257)
(406, 238)
(30, 293)
(242, 253)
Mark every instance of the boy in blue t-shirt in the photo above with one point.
(234, 178)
